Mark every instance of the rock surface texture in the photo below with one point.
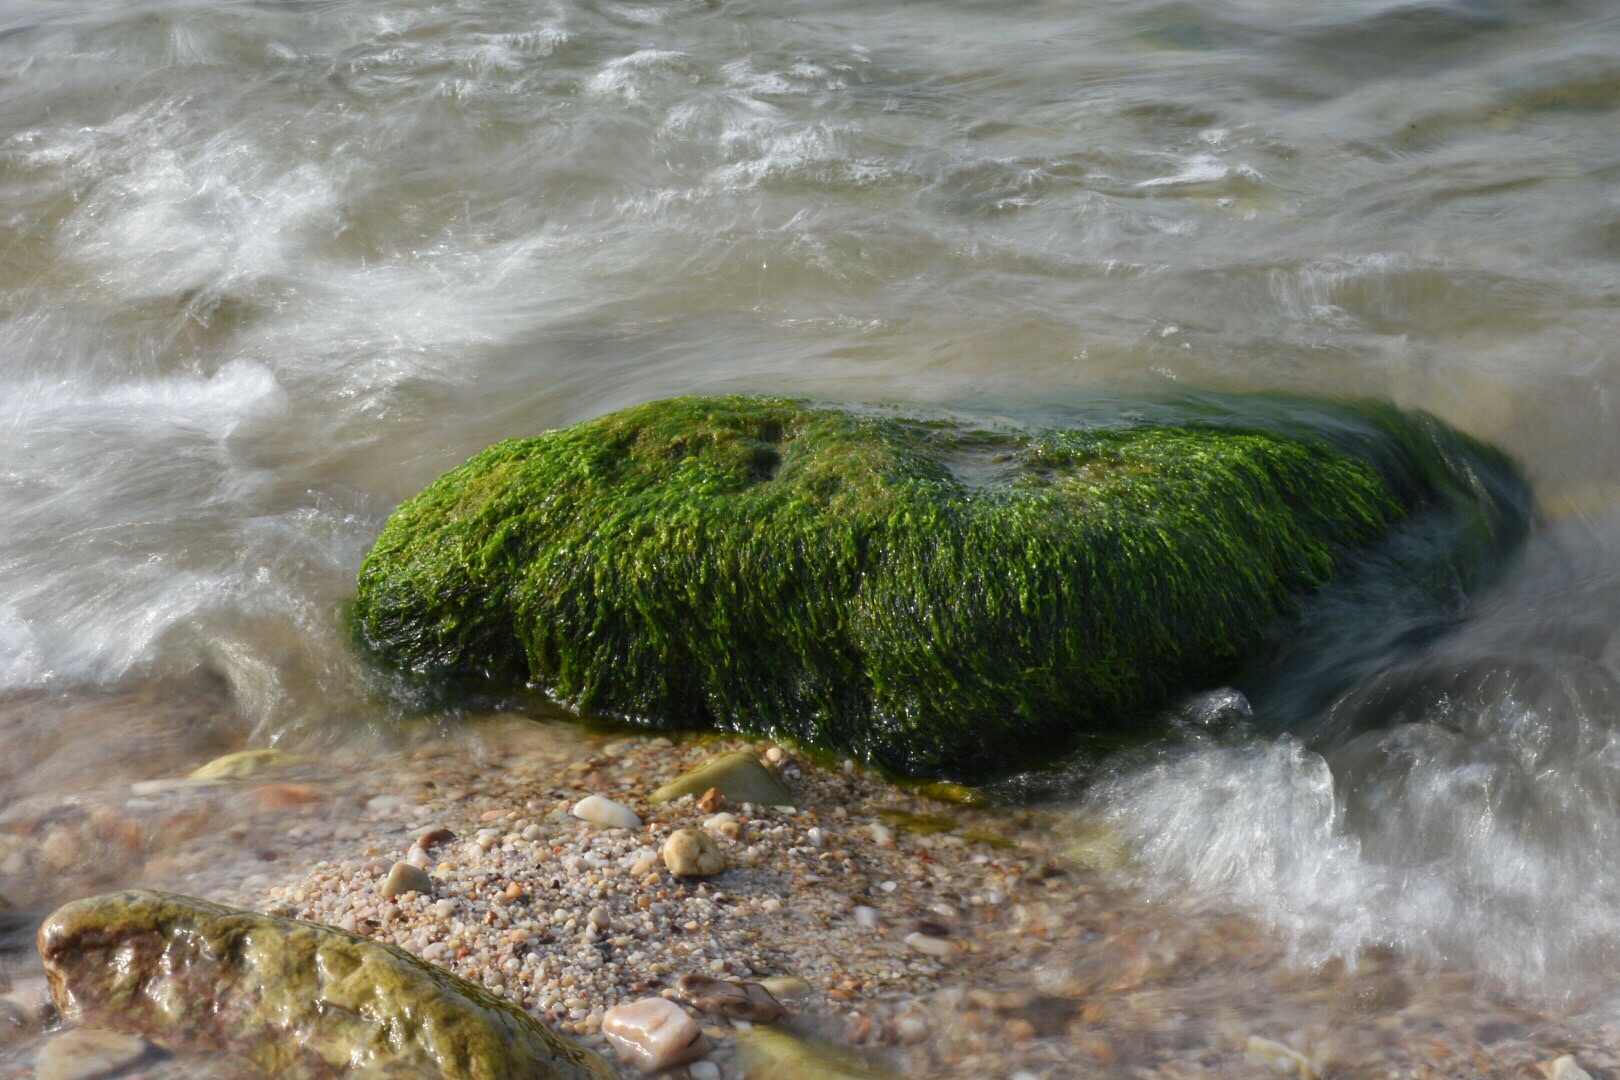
(937, 597)
(294, 999)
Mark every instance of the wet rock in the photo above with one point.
(404, 878)
(243, 764)
(738, 1000)
(947, 792)
(296, 999)
(88, 1053)
(906, 532)
(929, 945)
(606, 813)
(653, 1034)
(1279, 1059)
(773, 1052)
(738, 776)
(786, 987)
(691, 853)
(1566, 1068)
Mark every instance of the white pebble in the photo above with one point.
(653, 1034)
(1564, 1068)
(703, 1070)
(606, 813)
(931, 946)
(866, 917)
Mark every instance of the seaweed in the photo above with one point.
(935, 598)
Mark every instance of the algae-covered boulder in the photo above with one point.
(294, 999)
(934, 596)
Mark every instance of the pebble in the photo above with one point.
(786, 987)
(739, 1000)
(703, 1070)
(86, 1053)
(1280, 1059)
(711, 801)
(775, 755)
(1566, 1068)
(606, 813)
(653, 1034)
(599, 918)
(738, 775)
(404, 878)
(931, 946)
(691, 853)
(435, 836)
(866, 917)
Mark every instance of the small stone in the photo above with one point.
(775, 755)
(653, 1034)
(606, 813)
(433, 837)
(404, 878)
(866, 917)
(882, 835)
(772, 1052)
(911, 1029)
(1280, 1059)
(724, 824)
(599, 918)
(703, 1070)
(931, 946)
(243, 764)
(86, 1053)
(786, 987)
(514, 891)
(739, 776)
(711, 801)
(691, 853)
(1566, 1068)
(738, 1000)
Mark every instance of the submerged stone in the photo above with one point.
(295, 999)
(88, 1054)
(243, 764)
(935, 597)
(781, 1055)
(739, 776)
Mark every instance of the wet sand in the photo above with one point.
(932, 938)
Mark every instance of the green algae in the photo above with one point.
(294, 999)
(738, 775)
(938, 600)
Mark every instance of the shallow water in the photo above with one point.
(265, 270)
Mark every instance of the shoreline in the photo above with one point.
(924, 938)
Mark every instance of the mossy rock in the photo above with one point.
(294, 999)
(938, 598)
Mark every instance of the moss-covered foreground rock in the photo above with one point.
(294, 999)
(938, 598)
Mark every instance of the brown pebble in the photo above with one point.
(436, 836)
(493, 815)
(738, 1000)
(711, 801)
(513, 891)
